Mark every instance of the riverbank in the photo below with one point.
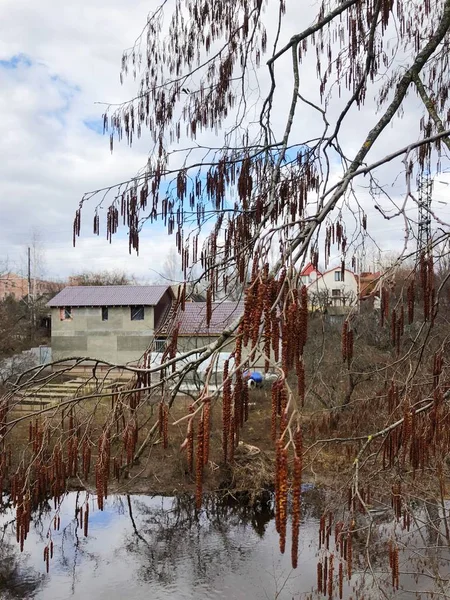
(164, 470)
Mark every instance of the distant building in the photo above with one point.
(16, 287)
(336, 288)
(309, 274)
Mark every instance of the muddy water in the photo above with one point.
(143, 547)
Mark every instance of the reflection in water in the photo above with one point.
(161, 547)
(16, 579)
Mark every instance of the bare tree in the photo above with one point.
(171, 272)
(102, 278)
(261, 160)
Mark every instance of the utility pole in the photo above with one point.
(30, 296)
(29, 274)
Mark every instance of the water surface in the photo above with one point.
(142, 547)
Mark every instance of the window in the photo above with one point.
(137, 313)
(104, 313)
(160, 345)
(335, 293)
(338, 276)
(65, 313)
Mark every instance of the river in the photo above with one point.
(142, 547)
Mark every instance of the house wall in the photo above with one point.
(348, 289)
(118, 340)
(13, 285)
(161, 308)
(17, 287)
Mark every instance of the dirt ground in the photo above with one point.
(165, 471)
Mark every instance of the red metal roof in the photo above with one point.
(193, 319)
(308, 269)
(110, 295)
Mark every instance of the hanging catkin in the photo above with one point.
(296, 496)
(199, 465)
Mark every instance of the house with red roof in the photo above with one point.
(336, 288)
(309, 274)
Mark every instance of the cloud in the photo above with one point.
(56, 63)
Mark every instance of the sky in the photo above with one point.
(58, 63)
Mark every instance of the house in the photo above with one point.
(16, 287)
(309, 274)
(193, 331)
(336, 288)
(13, 285)
(118, 324)
(111, 323)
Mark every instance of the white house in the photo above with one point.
(309, 274)
(334, 288)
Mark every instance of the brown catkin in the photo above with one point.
(274, 413)
(278, 461)
(349, 555)
(47, 558)
(344, 344)
(226, 410)
(303, 319)
(330, 577)
(283, 409)
(296, 508)
(300, 368)
(165, 426)
(282, 502)
(199, 466)
(207, 429)
(208, 306)
(86, 519)
(395, 568)
(190, 446)
(411, 300)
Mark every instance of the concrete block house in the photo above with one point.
(111, 323)
(118, 324)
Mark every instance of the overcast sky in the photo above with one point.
(57, 60)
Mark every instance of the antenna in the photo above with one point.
(425, 192)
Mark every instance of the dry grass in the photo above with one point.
(164, 470)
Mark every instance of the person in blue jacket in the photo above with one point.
(254, 378)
